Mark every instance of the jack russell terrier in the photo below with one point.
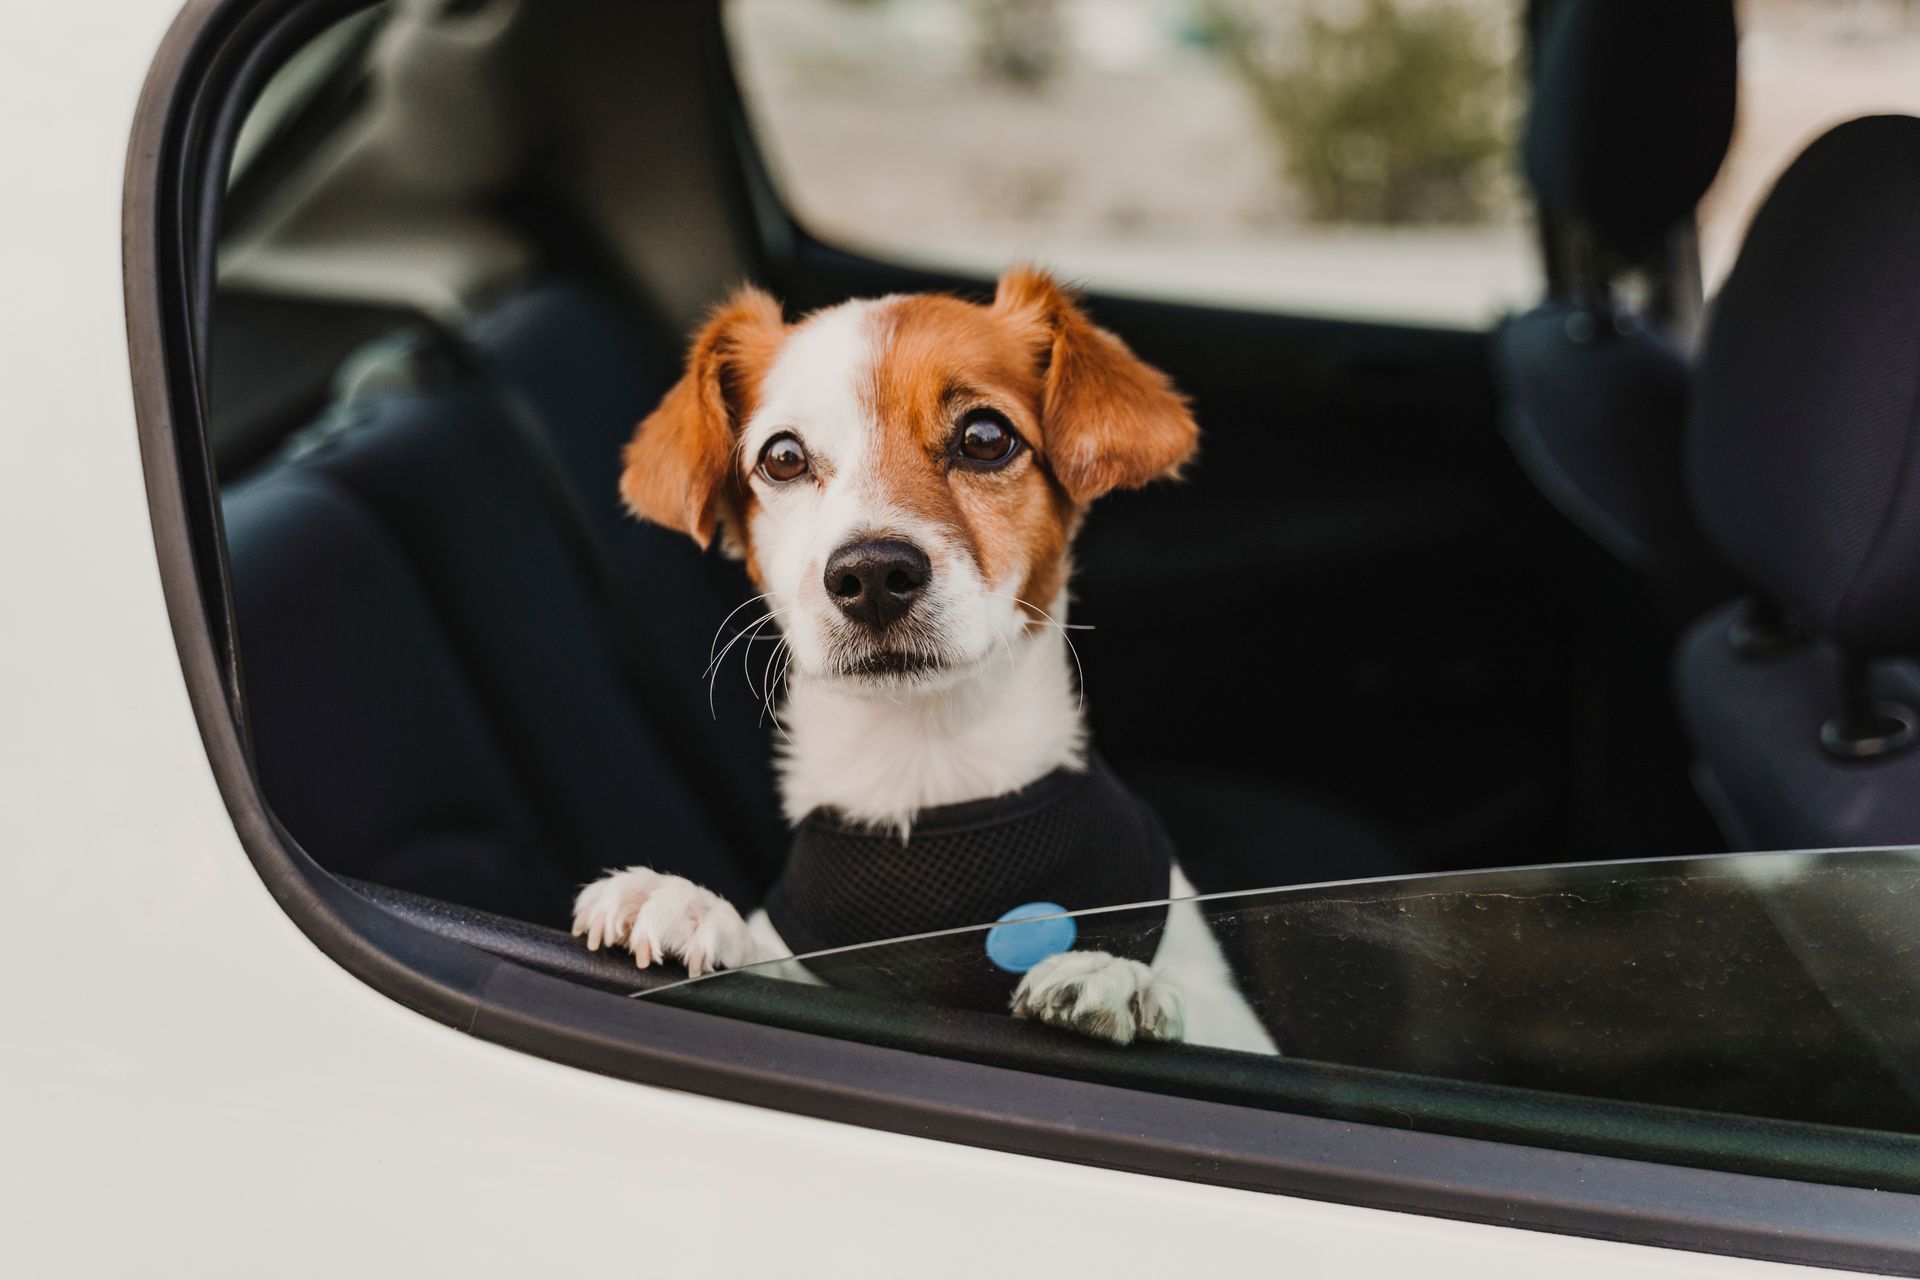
(902, 478)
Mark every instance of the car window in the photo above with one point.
(1770, 996)
(1803, 69)
(1351, 159)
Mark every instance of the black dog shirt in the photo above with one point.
(1073, 840)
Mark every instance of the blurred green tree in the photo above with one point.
(1020, 41)
(1384, 111)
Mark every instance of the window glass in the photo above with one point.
(1776, 988)
(1805, 66)
(1336, 156)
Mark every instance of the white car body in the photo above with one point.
(191, 1087)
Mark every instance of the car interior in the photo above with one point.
(1416, 609)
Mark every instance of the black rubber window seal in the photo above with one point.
(209, 65)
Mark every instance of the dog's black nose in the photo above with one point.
(876, 580)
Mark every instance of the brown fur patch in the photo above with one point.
(1095, 418)
(1112, 421)
(678, 470)
(938, 358)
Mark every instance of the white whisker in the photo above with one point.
(746, 655)
(729, 618)
(1080, 672)
(780, 679)
(712, 673)
(766, 678)
(713, 664)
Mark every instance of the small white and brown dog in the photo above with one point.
(903, 478)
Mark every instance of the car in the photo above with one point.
(334, 666)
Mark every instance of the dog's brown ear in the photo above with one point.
(678, 468)
(1108, 419)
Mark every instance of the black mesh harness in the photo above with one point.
(1078, 839)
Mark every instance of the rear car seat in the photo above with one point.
(372, 746)
(1804, 456)
(1631, 114)
(414, 521)
(573, 356)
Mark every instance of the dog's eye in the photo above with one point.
(985, 438)
(783, 459)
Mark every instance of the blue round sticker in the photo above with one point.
(1019, 941)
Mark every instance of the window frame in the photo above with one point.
(206, 71)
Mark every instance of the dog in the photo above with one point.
(903, 478)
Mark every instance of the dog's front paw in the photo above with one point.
(662, 917)
(1100, 995)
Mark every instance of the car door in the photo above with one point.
(219, 1053)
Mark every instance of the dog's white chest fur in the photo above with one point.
(880, 758)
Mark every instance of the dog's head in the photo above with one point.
(903, 476)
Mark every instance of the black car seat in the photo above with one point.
(1804, 461)
(371, 743)
(580, 375)
(1630, 116)
(410, 541)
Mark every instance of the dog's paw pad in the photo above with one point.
(662, 917)
(1100, 995)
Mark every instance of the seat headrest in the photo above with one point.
(1632, 110)
(1804, 450)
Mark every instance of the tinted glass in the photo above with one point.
(1755, 1012)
